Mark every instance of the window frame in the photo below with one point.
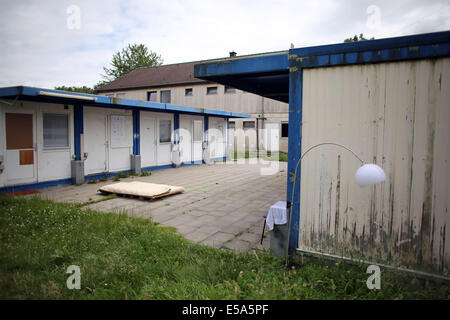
(190, 90)
(229, 90)
(67, 116)
(208, 89)
(244, 127)
(149, 96)
(161, 96)
(170, 130)
(281, 133)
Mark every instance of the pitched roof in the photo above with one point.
(170, 74)
(165, 75)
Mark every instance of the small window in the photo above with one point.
(120, 95)
(165, 96)
(229, 89)
(284, 130)
(232, 125)
(165, 130)
(56, 130)
(249, 124)
(211, 90)
(188, 92)
(152, 96)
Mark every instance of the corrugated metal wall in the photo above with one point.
(396, 115)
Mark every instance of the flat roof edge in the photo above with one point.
(376, 44)
(59, 96)
(265, 63)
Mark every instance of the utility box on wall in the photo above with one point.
(77, 171)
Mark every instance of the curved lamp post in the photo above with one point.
(368, 174)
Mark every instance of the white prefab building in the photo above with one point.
(51, 137)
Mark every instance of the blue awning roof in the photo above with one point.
(57, 96)
(268, 74)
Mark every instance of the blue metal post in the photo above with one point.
(78, 129)
(176, 127)
(136, 132)
(295, 151)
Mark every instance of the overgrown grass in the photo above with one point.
(130, 258)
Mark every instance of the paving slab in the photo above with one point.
(223, 205)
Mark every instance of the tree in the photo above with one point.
(132, 57)
(355, 38)
(82, 89)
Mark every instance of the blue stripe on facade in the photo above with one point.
(37, 185)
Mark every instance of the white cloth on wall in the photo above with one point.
(276, 214)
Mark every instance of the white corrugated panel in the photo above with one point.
(396, 115)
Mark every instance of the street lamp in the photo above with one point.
(368, 174)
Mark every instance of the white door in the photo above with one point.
(20, 162)
(271, 137)
(148, 140)
(197, 150)
(95, 142)
(186, 140)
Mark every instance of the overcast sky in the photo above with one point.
(51, 43)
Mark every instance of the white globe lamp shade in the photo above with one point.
(369, 174)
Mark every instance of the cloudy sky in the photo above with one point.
(53, 43)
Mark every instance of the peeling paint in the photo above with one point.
(396, 222)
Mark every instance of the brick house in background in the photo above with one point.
(176, 84)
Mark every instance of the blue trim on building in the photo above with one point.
(257, 64)
(294, 153)
(434, 39)
(167, 166)
(172, 107)
(30, 93)
(136, 132)
(36, 185)
(239, 115)
(78, 129)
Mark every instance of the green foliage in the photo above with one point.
(132, 258)
(132, 57)
(82, 89)
(356, 38)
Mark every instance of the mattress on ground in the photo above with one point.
(142, 189)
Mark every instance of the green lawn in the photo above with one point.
(276, 156)
(129, 258)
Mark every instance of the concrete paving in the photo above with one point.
(223, 205)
